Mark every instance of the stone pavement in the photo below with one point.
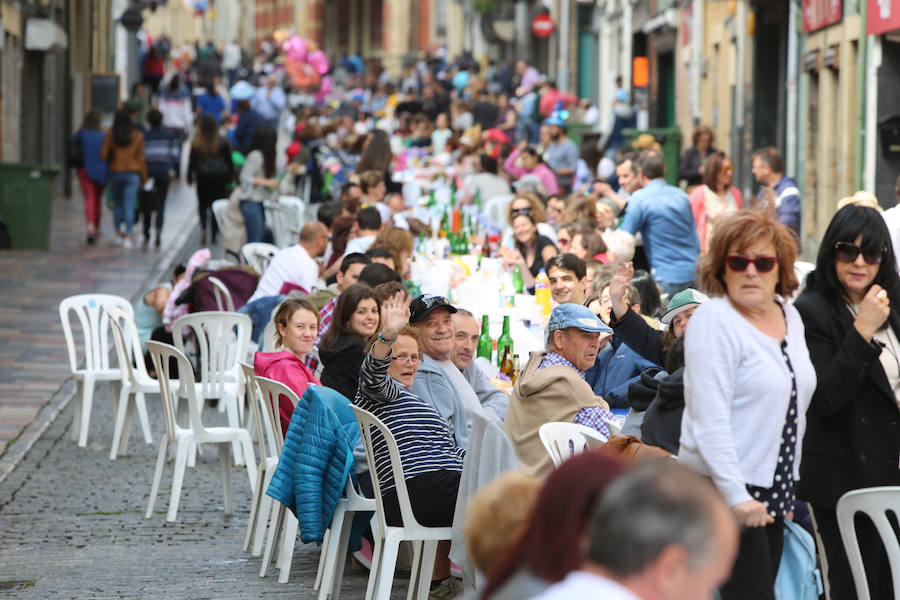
(33, 357)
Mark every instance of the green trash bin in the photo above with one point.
(577, 132)
(670, 140)
(26, 198)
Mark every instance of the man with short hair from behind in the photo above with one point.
(295, 264)
(659, 532)
(662, 214)
(768, 169)
(466, 332)
(383, 256)
(568, 278)
(368, 224)
(552, 387)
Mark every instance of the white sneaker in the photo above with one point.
(127, 243)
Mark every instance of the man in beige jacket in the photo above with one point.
(551, 387)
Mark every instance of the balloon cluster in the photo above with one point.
(307, 66)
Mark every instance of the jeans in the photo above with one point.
(673, 288)
(124, 186)
(254, 220)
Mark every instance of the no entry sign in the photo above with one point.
(542, 25)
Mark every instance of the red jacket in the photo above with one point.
(285, 367)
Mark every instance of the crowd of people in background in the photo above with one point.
(672, 301)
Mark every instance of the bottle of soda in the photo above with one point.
(542, 292)
(504, 344)
(518, 282)
(485, 342)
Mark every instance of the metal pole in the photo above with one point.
(562, 82)
(863, 94)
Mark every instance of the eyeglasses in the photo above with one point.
(847, 253)
(728, 169)
(739, 263)
(409, 359)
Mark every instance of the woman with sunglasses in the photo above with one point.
(432, 462)
(715, 197)
(748, 381)
(852, 438)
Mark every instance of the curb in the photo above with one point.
(59, 399)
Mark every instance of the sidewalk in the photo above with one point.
(34, 363)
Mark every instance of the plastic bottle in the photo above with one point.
(504, 346)
(542, 292)
(485, 342)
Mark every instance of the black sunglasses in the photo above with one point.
(424, 303)
(521, 211)
(739, 263)
(847, 253)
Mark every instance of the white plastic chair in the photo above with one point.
(184, 439)
(564, 440)
(282, 522)
(802, 269)
(258, 255)
(612, 425)
(222, 294)
(874, 502)
(135, 381)
(424, 539)
(219, 209)
(285, 218)
(268, 461)
(96, 347)
(222, 339)
(495, 209)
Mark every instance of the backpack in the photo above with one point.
(799, 577)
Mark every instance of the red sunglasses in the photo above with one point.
(739, 263)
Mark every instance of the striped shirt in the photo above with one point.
(423, 438)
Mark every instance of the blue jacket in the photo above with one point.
(615, 369)
(316, 460)
(96, 167)
(248, 122)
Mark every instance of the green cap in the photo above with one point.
(682, 301)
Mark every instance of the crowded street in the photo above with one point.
(446, 299)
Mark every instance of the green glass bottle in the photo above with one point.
(431, 201)
(485, 342)
(504, 342)
(518, 282)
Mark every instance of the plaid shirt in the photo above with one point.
(592, 416)
(325, 319)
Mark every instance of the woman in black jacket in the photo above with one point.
(357, 316)
(852, 436)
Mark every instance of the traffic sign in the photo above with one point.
(542, 25)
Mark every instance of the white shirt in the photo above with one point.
(737, 387)
(469, 399)
(293, 264)
(488, 185)
(579, 585)
(231, 57)
(360, 244)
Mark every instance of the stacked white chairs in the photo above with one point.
(875, 503)
(387, 543)
(135, 381)
(184, 439)
(95, 330)
(267, 446)
(222, 294)
(258, 255)
(564, 440)
(282, 523)
(222, 338)
(285, 218)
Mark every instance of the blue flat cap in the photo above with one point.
(575, 315)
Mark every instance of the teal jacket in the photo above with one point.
(316, 460)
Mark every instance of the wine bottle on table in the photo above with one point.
(485, 342)
(506, 363)
(515, 374)
(504, 343)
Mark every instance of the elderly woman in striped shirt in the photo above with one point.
(432, 462)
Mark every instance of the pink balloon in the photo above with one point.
(326, 85)
(296, 48)
(319, 60)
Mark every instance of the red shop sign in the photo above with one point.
(542, 25)
(821, 13)
(883, 16)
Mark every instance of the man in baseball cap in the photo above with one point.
(551, 387)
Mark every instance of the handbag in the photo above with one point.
(75, 159)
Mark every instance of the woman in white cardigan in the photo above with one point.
(748, 382)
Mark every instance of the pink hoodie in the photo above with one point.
(285, 367)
